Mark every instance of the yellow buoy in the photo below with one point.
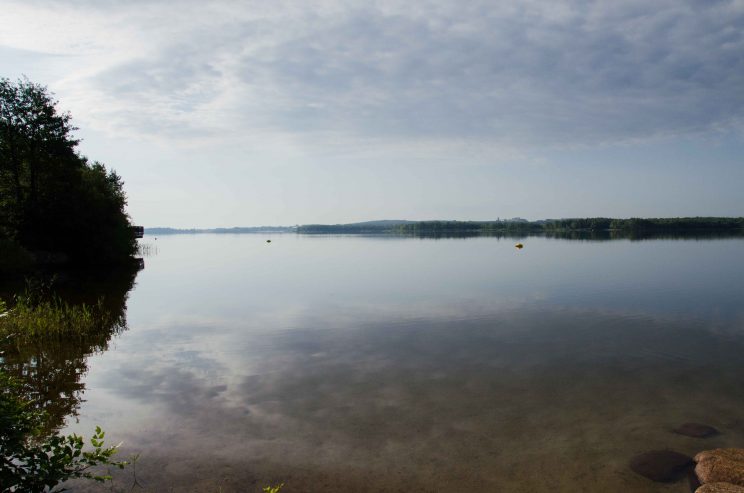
(519, 245)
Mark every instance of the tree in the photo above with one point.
(52, 198)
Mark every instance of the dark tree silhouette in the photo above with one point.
(52, 198)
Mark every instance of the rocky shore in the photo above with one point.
(710, 471)
(720, 470)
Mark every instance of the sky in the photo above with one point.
(246, 113)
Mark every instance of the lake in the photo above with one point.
(352, 363)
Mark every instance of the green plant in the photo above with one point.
(272, 489)
(41, 318)
(30, 462)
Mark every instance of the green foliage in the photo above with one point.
(272, 489)
(51, 198)
(30, 462)
(17, 417)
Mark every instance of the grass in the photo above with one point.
(147, 249)
(52, 319)
(39, 319)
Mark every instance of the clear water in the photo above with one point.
(341, 364)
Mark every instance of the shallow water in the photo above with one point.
(394, 364)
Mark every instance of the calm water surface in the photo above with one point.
(341, 364)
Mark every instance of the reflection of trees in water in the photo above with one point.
(50, 371)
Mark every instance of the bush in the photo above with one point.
(30, 462)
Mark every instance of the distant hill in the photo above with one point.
(382, 223)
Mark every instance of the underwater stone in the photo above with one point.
(720, 488)
(723, 465)
(661, 465)
(696, 430)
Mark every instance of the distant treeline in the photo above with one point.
(637, 226)
(650, 225)
(600, 227)
(236, 230)
(355, 228)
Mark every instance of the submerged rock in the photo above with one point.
(661, 465)
(696, 430)
(723, 465)
(720, 488)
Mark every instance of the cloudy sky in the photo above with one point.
(227, 113)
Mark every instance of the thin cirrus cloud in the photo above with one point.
(547, 74)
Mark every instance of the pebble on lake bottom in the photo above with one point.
(696, 430)
(661, 465)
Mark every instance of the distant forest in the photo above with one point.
(548, 226)
(599, 227)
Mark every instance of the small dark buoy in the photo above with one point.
(268, 241)
(519, 245)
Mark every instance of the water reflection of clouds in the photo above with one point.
(446, 396)
(439, 365)
(182, 390)
(355, 341)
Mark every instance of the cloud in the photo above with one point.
(545, 74)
